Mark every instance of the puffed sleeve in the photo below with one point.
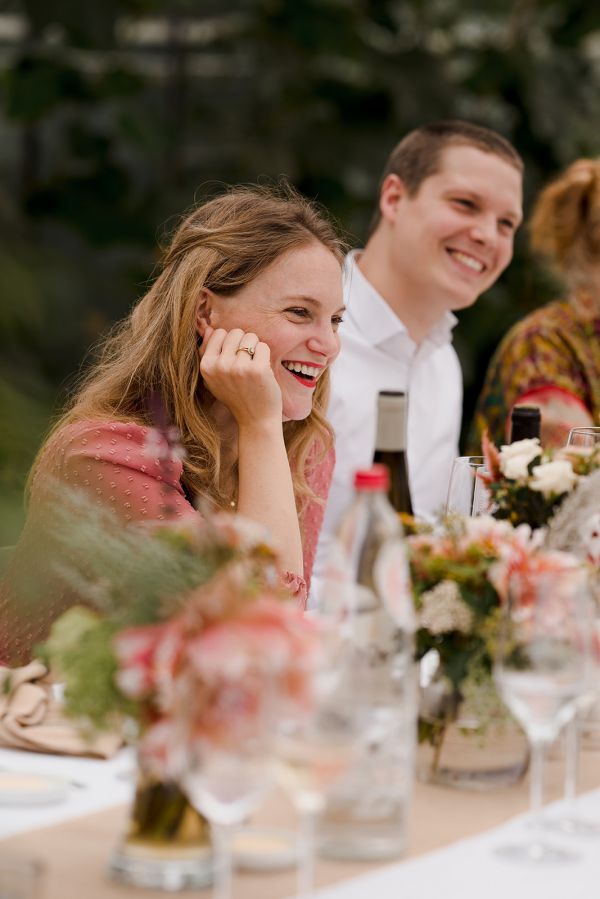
(111, 463)
(115, 464)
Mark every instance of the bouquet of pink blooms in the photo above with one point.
(190, 630)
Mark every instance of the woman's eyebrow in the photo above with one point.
(301, 298)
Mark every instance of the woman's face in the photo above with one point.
(294, 306)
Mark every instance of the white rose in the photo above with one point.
(515, 457)
(553, 477)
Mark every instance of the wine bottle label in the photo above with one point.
(391, 416)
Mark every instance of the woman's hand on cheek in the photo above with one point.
(244, 383)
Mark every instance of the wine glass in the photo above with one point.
(314, 746)
(467, 494)
(226, 780)
(541, 671)
(586, 437)
(571, 821)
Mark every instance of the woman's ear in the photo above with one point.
(203, 311)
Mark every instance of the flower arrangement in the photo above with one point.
(455, 597)
(527, 484)
(460, 574)
(188, 630)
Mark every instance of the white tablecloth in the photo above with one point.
(470, 869)
(93, 786)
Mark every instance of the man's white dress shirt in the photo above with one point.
(378, 354)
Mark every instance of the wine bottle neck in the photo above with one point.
(391, 429)
(524, 429)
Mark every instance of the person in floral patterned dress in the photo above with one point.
(551, 358)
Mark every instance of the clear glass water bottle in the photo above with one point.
(368, 589)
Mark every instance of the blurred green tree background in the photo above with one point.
(116, 116)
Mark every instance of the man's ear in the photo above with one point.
(391, 195)
(203, 311)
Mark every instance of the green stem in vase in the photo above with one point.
(161, 811)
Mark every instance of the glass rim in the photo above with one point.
(588, 429)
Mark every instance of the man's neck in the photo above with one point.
(418, 313)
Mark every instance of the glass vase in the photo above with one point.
(468, 742)
(167, 842)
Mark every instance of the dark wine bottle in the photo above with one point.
(390, 447)
(525, 421)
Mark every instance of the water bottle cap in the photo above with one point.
(377, 477)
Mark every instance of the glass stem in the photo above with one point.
(222, 861)
(571, 763)
(306, 862)
(536, 780)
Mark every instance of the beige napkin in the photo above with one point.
(31, 719)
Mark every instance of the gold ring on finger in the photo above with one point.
(246, 349)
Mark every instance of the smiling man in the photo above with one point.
(449, 205)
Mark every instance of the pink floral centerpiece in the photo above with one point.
(209, 633)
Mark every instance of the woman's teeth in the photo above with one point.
(298, 368)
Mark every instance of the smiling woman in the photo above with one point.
(232, 345)
(294, 308)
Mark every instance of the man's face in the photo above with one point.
(454, 237)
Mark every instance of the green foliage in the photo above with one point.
(36, 86)
(521, 505)
(79, 650)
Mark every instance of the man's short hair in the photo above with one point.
(417, 156)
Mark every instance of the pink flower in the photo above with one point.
(492, 460)
(263, 635)
(209, 681)
(521, 566)
(147, 657)
(163, 749)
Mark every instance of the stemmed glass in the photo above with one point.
(586, 437)
(571, 822)
(226, 781)
(314, 746)
(541, 670)
(467, 494)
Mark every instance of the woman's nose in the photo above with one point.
(325, 342)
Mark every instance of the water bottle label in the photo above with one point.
(392, 581)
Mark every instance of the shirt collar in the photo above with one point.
(374, 318)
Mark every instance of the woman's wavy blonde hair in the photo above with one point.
(565, 222)
(222, 245)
